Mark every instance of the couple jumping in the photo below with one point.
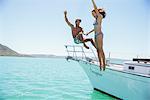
(77, 32)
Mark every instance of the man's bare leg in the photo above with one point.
(91, 40)
(85, 46)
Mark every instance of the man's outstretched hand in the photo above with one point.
(86, 34)
(65, 12)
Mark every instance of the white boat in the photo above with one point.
(127, 81)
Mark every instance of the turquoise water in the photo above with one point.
(44, 79)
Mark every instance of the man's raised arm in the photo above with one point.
(66, 19)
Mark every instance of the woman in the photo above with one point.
(99, 14)
(77, 32)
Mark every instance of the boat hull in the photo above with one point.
(117, 83)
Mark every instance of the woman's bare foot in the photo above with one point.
(100, 68)
(104, 67)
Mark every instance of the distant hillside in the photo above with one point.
(46, 56)
(5, 51)
(42, 55)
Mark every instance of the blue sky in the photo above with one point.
(38, 26)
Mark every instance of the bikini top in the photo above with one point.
(95, 23)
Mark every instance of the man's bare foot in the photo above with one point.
(86, 47)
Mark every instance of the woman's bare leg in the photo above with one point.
(99, 58)
(101, 55)
(104, 63)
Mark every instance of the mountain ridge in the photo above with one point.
(6, 51)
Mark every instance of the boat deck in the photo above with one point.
(75, 50)
(120, 68)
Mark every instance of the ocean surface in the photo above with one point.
(24, 78)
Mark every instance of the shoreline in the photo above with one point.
(30, 56)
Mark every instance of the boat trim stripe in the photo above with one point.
(107, 94)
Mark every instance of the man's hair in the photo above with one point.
(78, 20)
(102, 13)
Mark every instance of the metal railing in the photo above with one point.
(78, 52)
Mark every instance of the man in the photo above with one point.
(77, 32)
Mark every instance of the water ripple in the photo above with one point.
(44, 79)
